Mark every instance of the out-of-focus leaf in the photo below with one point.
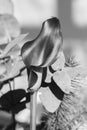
(16, 68)
(3, 36)
(11, 25)
(12, 69)
(23, 116)
(2, 69)
(15, 52)
(17, 42)
(63, 80)
(49, 101)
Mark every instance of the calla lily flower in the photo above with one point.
(39, 53)
(43, 51)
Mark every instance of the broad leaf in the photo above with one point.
(12, 69)
(49, 101)
(63, 80)
(16, 68)
(59, 63)
(23, 116)
(19, 41)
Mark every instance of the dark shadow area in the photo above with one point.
(11, 101)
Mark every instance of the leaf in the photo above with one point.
(2, 69)
(49, 101)
(9, 48)
(23, 116)
(63, 80)
(56, 66)
(59, 63)
(13, 69)
(14, 53)
(16, 68)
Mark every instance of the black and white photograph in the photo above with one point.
(43, 64)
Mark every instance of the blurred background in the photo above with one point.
(72, 15)
(31, 13)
